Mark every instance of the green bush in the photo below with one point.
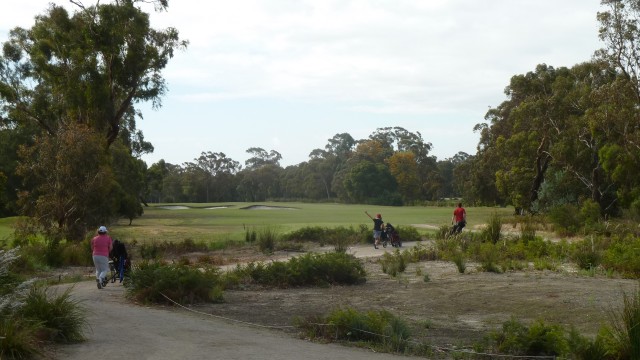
(379, 328)
(566, 219)
(489, 257)
(408, 233)
(420, 252)
(19, 338)
(250, 235)
(585, 255)
(267, 239)
(61, 317)
(493, 231)
(538, 340)
(460, 261)
(527, 229)
(625, 329)
(335, 268)
(623, 255)
(150, 282)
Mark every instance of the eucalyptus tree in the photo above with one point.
(88, 69)
(260, 179)
(426, 171)
(327, 163)
(216, 170)
(620, 31)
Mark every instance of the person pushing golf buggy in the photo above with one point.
(459, 219)
(119, 261)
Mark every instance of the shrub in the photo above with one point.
(493, 230)
(489, 257)
(267, 239)
(527, 229)
(538, 340)
(306, 270)
(250, 235)
(61, 317)
(625, 330)
(408, 233)
(374, 327)
(420, 252)
(460, 261)
(151, 281)
(585, 255)
(393, 263)
(623, 255)
(19, 338)
(565, 218)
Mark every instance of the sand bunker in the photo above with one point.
(216, 207)
(174, 207)
(264, 207)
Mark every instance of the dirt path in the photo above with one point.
(120, 330)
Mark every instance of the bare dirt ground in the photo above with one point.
(448, 310)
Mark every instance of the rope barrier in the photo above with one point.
(226, 318)
(282, 327)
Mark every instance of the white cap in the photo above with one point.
(102, 229)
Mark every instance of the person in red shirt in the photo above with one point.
(459, 219)
(101, 246)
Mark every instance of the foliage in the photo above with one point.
(306, 270)
(60, 316)
(27, 312)
(151, 281)
(493, 231)
(539, 339)
(625, 330)
(333, 235)
(66, 176)
(623, 255)
(373, 327)
(61, 90)
(267, 239)
(393, 263)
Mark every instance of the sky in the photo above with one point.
(288, 75)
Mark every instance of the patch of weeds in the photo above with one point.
(460, 261)
(492, 232)
(420, 252)
(545, 264)
(489, 257)
(625, 327)
(393, 263)
(527, 229)
(267, 239)
(250, 235)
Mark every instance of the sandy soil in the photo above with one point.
(450, 309)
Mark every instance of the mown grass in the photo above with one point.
(212, 223)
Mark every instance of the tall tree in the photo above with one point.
(88, 69)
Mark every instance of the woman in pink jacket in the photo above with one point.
(101, 246)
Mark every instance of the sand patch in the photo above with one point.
(264, 207)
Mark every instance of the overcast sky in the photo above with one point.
(287, 75)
